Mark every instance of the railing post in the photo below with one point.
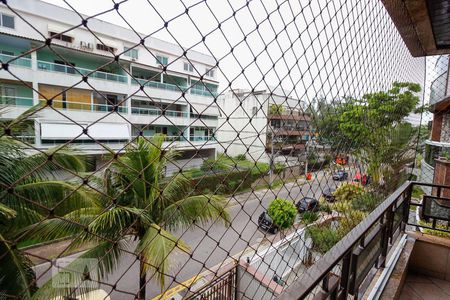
(345, 274)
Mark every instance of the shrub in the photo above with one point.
(417, 192)
(348, 191)
(366, 202)
(278, 167)
(214, 182)
(323, 237)
(282, 212)
(260, 169)
(325, 206)
(240, 157)
(212, 164)
(309, 217)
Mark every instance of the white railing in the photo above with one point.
(83, 106)
(22, 61)
(16, 101)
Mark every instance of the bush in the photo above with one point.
(323, 237)
(309, 217)
(240, 157)
(282, 212)
(212, 164)
(278, 167)
(219, 183)
(366, 202)
(417, 192)
(260, 169)
(348, 191)
(325, 206)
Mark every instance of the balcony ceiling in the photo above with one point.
(423, 24)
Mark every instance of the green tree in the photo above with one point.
(133, 201)
(282, 212)
(29, 193)
(276, 109)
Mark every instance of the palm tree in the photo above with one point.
(136, 201)
(29, 192)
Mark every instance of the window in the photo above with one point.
(61, 37)
(106, 48)
(188, 67)
(210, 72)
(7, 21)
(7, 52)
(162, 60)
(133, 53)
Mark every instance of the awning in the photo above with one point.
(100, 131)
(205, 109)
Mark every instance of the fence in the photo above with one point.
(133, 132)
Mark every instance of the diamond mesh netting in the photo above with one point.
(198, 149)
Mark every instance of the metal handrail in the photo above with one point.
(83, 106)
(16, 101)
(380, 222)
(306, 283)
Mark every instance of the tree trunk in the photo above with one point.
(142, 279)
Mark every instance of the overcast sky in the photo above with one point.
(324, 48)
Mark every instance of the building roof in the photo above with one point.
(423, 25)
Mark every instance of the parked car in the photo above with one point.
(265, 223)
(340, 175)
(307, 204)
(328, 194)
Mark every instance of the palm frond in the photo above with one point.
(155, 247)
(16, 275)
(196, 209)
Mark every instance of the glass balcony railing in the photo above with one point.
(159, 85)
(204, 92)
(201, 138)
(438, 88)
(205, 117)
(16, 101)
(23, 61)
(83, 106)
(157, 112)
(49, 66)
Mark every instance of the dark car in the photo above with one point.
(307, 204)
(340, 175)
(328, 194)
(266, 223)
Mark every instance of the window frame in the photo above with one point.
(190, 67)
(160, 60)
(131, 52)
(10, 16)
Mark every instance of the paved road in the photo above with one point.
(210, 244)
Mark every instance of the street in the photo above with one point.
(211, 244)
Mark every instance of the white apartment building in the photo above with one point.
(249, 126)
(105, 83)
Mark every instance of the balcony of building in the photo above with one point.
(77, 64)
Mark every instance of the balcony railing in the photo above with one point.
(54, 67)
(438, 89)
(83, 106)
(204, 92)
(159, 85)
(205, 117)
(201, 138)
(22, 61)
(16, 101)
(343, 269)
(157, 112)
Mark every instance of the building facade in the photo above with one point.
(99, 82)
(261, 121)
(435, 164)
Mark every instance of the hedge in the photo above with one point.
(224, 183)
